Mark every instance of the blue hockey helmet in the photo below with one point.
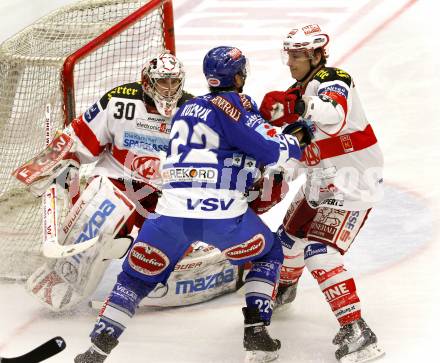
(221, 64)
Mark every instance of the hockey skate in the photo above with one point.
(285, 295)
(357, 343)
(102, 345)
(259, 346)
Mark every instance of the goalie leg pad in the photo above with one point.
(101, 210)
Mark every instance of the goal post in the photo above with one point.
(67, 59)
(68, 74)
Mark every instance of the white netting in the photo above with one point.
(30, 77)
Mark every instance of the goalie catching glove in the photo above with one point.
(280, 108)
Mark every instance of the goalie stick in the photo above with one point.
(39, 354)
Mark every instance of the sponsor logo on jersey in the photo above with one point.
(146, 166)
(248, 249)
(342, 73)
(253, 120)
(205, 283)
(155, 125)
(122, 90)
(334, 88)
(322, 231)
(346, 143)
(245, 102)
(147, 260)
(322, 74)
(227, 107)
(209, 204)
(91, 113)
(133, 140)
(333, 202)
(349, 226)
(314, 249)
(183, 175)
(312, 154)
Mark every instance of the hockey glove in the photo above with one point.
(303, 131)
(280, 108)
(271, 190)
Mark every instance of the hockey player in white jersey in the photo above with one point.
(343, 166)
(126, 132)
(218, 142)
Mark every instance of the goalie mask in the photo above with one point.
(162, 80)
(305, 39)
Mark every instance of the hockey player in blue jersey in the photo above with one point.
(218, 144)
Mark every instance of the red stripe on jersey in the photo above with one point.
(86, 136)
(341, 145)
(124, 157)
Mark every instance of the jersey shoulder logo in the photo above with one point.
(328, 74)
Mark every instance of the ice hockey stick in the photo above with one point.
(39, 354)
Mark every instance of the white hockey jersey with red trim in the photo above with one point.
(344, 162)
(125, 135)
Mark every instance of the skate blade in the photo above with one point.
(258, 356)
(367, 354)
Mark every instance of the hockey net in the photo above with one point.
(67, 59)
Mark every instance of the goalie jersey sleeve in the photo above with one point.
(91, 131)
(217, 144)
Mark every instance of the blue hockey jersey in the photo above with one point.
(218, 142)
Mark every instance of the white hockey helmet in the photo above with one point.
(306, 37)
(165, 95)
